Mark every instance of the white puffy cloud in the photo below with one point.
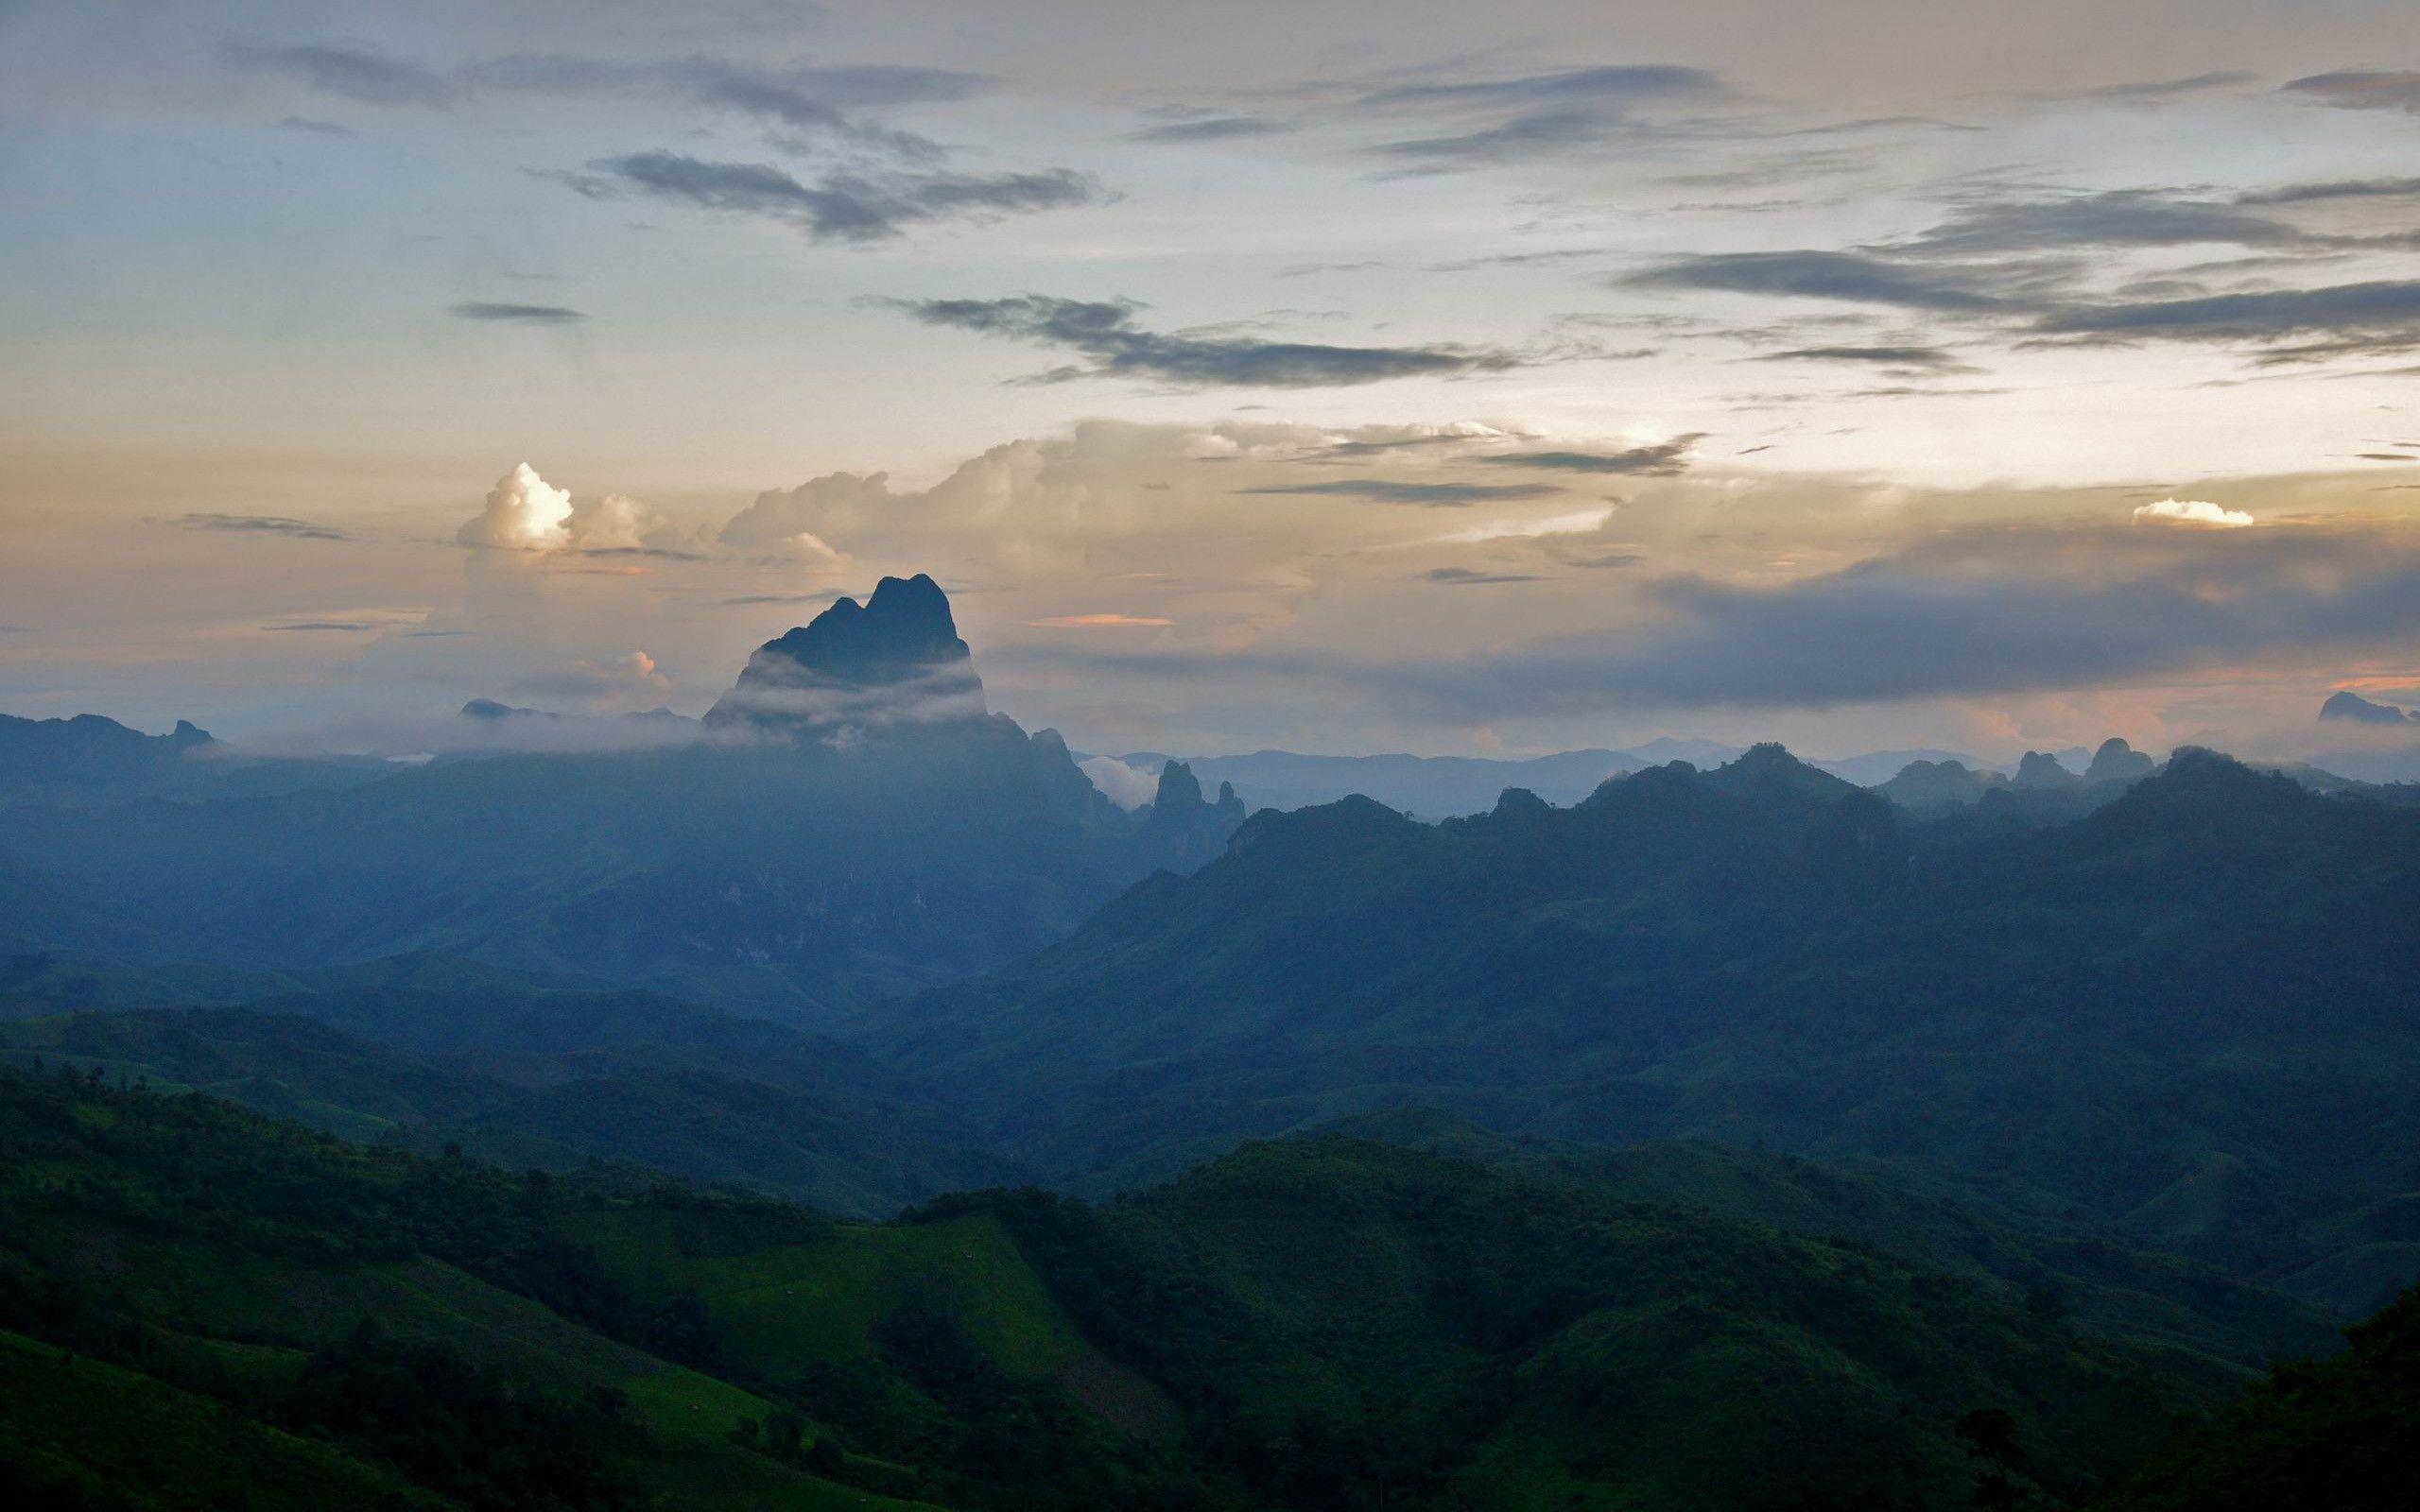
(1128, 788)
(626, 680)
(2196, 513)
(799, 519)
(524, 512)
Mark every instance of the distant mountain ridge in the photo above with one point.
(1763, 952)
(851, 823)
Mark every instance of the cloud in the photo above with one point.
(1127, 787)
(2199, 513)
(1212, 129)
(1579, 523)
(2295, 194)
(1469, 577)
(1662, 459)
(1969, 614)
(798, 519)
(343, 627)
(811, 103)
(518, 314)
(1099, 622)
(629, 678)
(524, 512)
(2361, 91)
(1534, 115)
(2125, 217)
(1436, 495)
(369, 77)
(263, 525)
(2157, 88)
(1851, 278)
(1105, 331)
(306, 126)
(1929, 359)
(2379, 317)
(844, 205)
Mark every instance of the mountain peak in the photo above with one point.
(1178, 789)
(2351, 708)
(2039, 768)
(2116, 761)
(894, 659)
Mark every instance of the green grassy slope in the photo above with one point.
(549, 1075)
(2339, 1436)
(1324, 1322)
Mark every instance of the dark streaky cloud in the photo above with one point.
(1932, 359)
(1104, 330)
(2295, 194)
(2357, 91)
(1533, 115)
(841, 206)
(1212, 129)
(263, 525)
(1471, 578)
(1662, 459)
(1434, 495)
(369, 77)
(1971, 615)
(521, 314)
(1849, 277)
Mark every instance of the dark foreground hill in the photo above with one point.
(201, 1305)
(423, 1050)
(2188, 1017)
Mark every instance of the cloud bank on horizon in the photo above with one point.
(1368, 375)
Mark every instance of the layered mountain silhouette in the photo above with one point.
(2123, 1018)
(851, 823)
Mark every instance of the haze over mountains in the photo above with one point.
(1698, 1127)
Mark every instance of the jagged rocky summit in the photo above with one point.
(893, 663)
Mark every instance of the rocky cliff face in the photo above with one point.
(894, 662)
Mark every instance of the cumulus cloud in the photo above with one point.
(2194, 513)
(1105, 331)
(524, 512)
(630, 678)
(836, 504)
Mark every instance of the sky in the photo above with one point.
(1338, 377)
